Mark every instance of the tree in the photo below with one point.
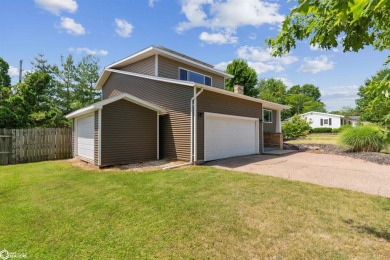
(273, 90)
(65, 81)
(87, 74)
(374, 98)
(243, 75)
(307, 89)
(295, 128)
(5, 79)
(346, 111)
(359, 23)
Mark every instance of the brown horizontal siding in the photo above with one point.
(168, 68)
(174, 127)
(145, 66)
(218, 103)
(129, 133)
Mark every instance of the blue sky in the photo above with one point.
(213, 31)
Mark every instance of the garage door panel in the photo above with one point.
(229, 136)
(85, 137)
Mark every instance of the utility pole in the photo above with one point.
(20, 70)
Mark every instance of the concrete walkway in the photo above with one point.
(324, 169)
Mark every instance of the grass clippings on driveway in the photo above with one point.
(55, 210)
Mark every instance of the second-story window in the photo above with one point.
(189, 75)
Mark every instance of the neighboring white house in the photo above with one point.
(352, 120)
(318, 119)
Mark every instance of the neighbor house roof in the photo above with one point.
(354, 117)
(320, 113)
(266, 104)
(98, 105)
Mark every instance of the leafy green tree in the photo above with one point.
(346, 111)
(307, 89)
(302, 103)
(358, 22)
(273, 90)
(87, 74)
(374, 98)
(295, 128)
(243, 75)
(5, 79)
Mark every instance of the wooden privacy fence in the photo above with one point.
(34, 145)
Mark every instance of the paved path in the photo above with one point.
(324, 169)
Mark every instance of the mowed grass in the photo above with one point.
(316, 139)
(52, 210)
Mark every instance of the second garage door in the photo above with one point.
(85, 137)
(229, 136)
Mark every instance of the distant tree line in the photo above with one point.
(373, 104)
(48, 92)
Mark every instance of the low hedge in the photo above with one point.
(321, 130)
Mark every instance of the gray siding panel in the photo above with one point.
(168, 68)
(129, 133)
(145, 66)
(270, 127)
(96, 139)
(174, 127)
(222, 104)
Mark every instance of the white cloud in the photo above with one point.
(259, 67)
(228, 15)
(71, 27)
(151, 3)
(13, 71)
(56, 6)
(222, 65)
(337, 97)
(123, 28)
(89, 51)
(253, 36)
(252, 53)
(217, 38)
(286, 81)
(318, 64)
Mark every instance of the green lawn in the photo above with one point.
(53, 210)
(316, 139)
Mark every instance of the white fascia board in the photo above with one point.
(99, 105)
(130, 57)
(168, 80)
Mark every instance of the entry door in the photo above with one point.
(229, 136)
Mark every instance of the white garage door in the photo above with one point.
(85, 140)
(228, 136)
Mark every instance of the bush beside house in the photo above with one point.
(295, 128)
(366, 138)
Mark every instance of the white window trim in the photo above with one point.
(204, 76)
(271, 116)
(209, 114)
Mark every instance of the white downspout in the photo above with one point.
(193, 132)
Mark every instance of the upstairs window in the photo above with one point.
(189, 75)
(267, 116)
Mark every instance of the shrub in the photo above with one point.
(341, 129)
(366, 138)
(295, 128)
(322, 130)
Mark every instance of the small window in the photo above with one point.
(325, 121)
(194, 76)
(183, 74)
(267, 116)
(207, 81)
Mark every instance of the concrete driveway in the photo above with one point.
(324, 169)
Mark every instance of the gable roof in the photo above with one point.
(320, 113)
(99, 105)
(153, 50)
(266, 104)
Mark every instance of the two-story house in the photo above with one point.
(159, 103)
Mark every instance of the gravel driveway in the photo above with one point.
(324, 169)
